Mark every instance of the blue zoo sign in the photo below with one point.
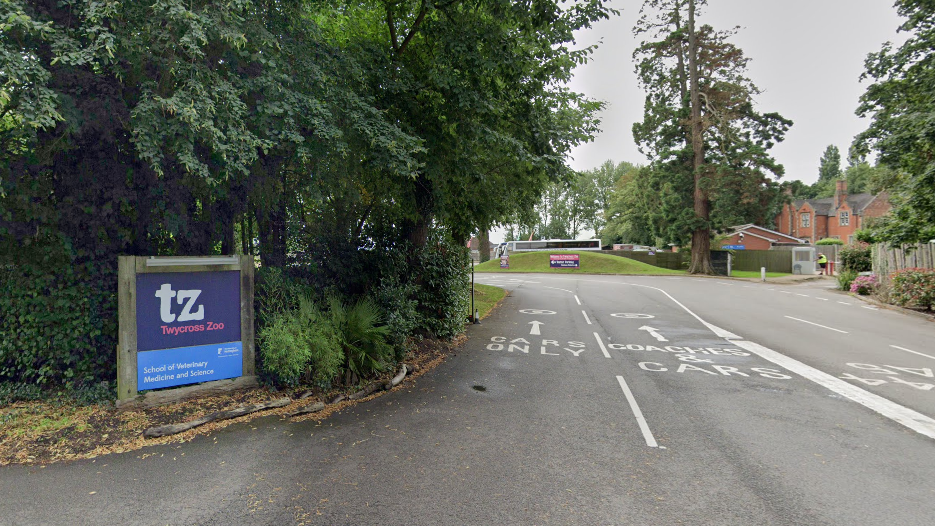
(188, 328)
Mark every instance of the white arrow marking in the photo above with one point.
(535, 327)
(652, 332)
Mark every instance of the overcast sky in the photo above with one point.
(807, 58)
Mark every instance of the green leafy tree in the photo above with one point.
(901, 104)
(700, 129)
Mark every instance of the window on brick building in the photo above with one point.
(845, 218)
(806, 220)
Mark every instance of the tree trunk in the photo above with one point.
(483, 243)
(701, 240)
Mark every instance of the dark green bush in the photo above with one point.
(829, 241)
(59, 324)
(362, 337)
(442, 297)
(856, 257)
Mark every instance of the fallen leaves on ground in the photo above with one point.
(46, 432)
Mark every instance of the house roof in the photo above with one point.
(825, 205)
(858, 202)
(764, 233)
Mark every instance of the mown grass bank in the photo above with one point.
(589, 263)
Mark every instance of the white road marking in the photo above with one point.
(556, 288)
(537, 311)
(631, 315)
(913, 352)
(652, 332)
(822, 299)
(817, 325)
(601, 343)
(585, 314)
(576, 299)
(640, 419)
(844, 303)
(535, 327)
(803, 295)
(913, 420)
(785, 292)
(871, 307)
(902, 415)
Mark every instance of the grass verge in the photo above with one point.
(486, 298)
(589, 263)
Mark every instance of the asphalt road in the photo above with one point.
(585, 400)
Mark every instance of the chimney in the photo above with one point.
(840, 192)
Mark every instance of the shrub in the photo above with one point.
(300, 344)
(856, 257)
(829, 241)
(361, 337)
(913, 287)
(845, 278)
(58, 324)
(443, 298)
(864, 285)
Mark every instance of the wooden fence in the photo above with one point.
(670, 260)
(887, 260)
(754, 260)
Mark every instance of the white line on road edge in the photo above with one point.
(844, 303)
(913, 352)
(586, 318)
(644, 427)
(902, 415)
(913, 420)
(601, 343)
(556, 288)
(822, 299)
(871, 307)
(817, 325)
(576, 299)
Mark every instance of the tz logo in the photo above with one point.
(165, 295)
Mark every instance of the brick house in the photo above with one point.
(753, 237)
(836, 217)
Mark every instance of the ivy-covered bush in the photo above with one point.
(829, 241)
(856, 257)
(442, 297)
(913, 287)
(864, 285)
(59, 325)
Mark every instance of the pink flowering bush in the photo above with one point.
(864, 285)
(914, 287)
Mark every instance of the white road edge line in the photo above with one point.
(586, 318)
(913, 352)
(902, 415)
(601, 343)
(556, 288)
(913, 420)
(640, 419)
(576, 299)
(817, 325)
